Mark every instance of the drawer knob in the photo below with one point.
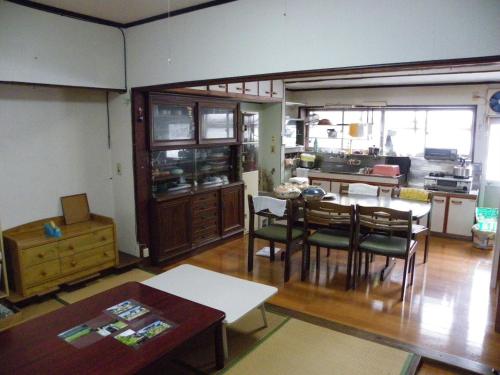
(103, 238)
(71, 247)
(41, 255)
(43, 273)
(73, 263)
(105, 254)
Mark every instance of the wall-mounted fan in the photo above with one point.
(495, 102)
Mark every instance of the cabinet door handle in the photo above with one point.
(267, 92)
(221, 86)
(384, 190)
(247, 90)
(439, 200)
(456, 202)
(275, 93)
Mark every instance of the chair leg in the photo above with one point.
(250, 254)
(372, 256)
(426, 247)
(288, 252)
(360, 260)
(304, 262)
(317, 257)
(327, 252)
(271, 251)
(405, 272)
(411, 264)
(367, 263)
(413, 267)
(349, 270)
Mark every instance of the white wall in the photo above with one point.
(260, 36)
(53, 142)
(40, 47)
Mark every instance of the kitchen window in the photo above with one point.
(407, 131)
(492, 168)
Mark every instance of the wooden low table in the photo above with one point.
(35, 348)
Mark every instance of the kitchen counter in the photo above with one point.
(356, 177)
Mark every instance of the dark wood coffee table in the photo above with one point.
(34, 347)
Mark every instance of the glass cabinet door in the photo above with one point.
(250, 127)
(217, 122)
(173, 122)
(172, 170)
(214, 166)
(249, 158)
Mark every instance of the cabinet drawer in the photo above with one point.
(204, 216)
(39, 254)
(461, 213)
(205, 197)
(205, 205)
(85, 242)
(87, 259)
(42, 272)
(205, 235)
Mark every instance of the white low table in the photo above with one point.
(235, 297)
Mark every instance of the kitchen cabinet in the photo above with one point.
(217, 122)
(235, 88)
(277, 89)
(438, 213)
(203, 88)
(232, 209)
(461, 213)
(205, 211)
(221, 87)
(251, 88)
(265, 88)
(172, 121)
(172, 228)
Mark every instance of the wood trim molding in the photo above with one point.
(225, 95)
(102, 21)
(120, 91)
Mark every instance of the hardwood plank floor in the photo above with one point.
(450, 307)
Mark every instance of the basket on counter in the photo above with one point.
(287, 191)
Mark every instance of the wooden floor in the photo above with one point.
(449, 309)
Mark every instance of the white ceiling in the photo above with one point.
(121, 11)
(469, 74)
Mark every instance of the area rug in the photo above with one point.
(298, 347)
(102, 284)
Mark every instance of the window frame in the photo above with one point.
(471, 107)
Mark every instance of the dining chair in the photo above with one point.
(288, 234)
(379, 230)
(421, 195)
(333, 226)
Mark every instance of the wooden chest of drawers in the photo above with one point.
(39, 264)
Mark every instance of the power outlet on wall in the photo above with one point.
(145, 252)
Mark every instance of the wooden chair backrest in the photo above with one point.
(382, 219)
(289, 215)
(328, 214)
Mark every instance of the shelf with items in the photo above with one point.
(183, 170)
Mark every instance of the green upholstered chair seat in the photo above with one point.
(385, 245)
(330, 238)
(277, 232)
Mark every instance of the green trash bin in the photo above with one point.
(483, 232)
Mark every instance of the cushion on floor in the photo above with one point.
(330, 238)
(277, 232)
(385, 245)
